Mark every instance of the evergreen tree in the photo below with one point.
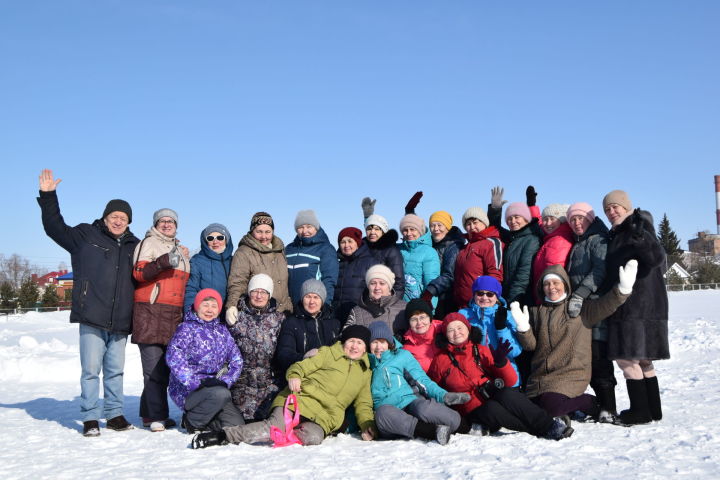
(707, 270)
(7, 295)
(28, 294)
(670, 242)
(68, 295)
(50, 297)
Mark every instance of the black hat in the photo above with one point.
(417, 305)
(118, 205)
(357, 331)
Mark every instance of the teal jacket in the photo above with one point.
(421, 264)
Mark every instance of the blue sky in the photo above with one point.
(220, 109)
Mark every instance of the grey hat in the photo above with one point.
(261, 281)
(165, 212)
(475, 212)
(216, 227)
(312, 285)
(307, 217)
(380, 329)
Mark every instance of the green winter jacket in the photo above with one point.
(518, 260)
(330, 383)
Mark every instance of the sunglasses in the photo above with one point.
(219, 238)
(481, 293)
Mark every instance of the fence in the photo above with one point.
(692, 286)
(15, 311)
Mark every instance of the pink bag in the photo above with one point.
(288, 437)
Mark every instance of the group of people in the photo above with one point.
(421, 334)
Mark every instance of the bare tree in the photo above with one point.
(15, 270)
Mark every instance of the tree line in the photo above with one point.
(17, 289)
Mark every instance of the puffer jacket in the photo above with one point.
(160, 293)
(421, 265)
(390, 310)
(251, 258)
(301, 332)
(200, 349)
(518, 261)
(387, 252)
(389, 385)
(554, 250)
(351, 279)
(561, 346)
(102, 268)
(482, 255)
(256, 334)
(208, 269)
(442, 287)
(308, 258)
(423, 346)
(330, 383)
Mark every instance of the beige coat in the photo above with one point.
(252, 258)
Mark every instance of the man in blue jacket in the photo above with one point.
(102, 300)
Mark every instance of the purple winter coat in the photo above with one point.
(198, 350)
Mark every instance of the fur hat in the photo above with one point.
(306, 217)
(165, 212)
(417, 305)
(351, 232)
(378, 221)
(412, 220)
(118, 205)
(261, 218)
(557, 210)
(518, 208)
(488, 284)
(261, 281)
(443, 217)
(356, 331)
(312, 285)
(581, 208)
(380, 330)
(382, 272)
(475, 212)
(618, 197)
(205, 293)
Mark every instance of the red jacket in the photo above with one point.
(468, 375)
(423, 346)
(554, 251)
(482, 255)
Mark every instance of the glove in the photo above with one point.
(627, 277)
(574, 306)
(368, 206)
(522, 317)
(427, 298)
(456, 398)
(414, 200)
(530, 196)
(501, 352)
(501, 318)
(231, 315)
(174, 257)
(212, 382)
(496, 197)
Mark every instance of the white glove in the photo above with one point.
(522, 317)
(627, 277)
(231, 315)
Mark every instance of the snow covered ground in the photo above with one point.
(39, 426)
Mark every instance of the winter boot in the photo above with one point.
(119, 424)
(442, 434)
(425, 430)
(638, 412)
(605, 395)
(559, 429)
(208, 439)
(256, 432)
(91, 428)
(653, 397)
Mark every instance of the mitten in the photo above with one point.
(212, 382)
(427, 298)
(414, 200)
(574, 305)
(368, 206)
(174, 257)
(627, 275)
(500, 318)
(501, 352)
(456, 398)
(530, 196)
(522, 317)
(231, 316)
(496, 197)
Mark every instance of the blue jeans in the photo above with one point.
(101, 350)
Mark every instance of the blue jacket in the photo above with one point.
(389, 386)
(208, 269)
(421, 265)
(484, 319)
(312, 257)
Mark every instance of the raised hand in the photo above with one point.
(368, 206)
(47, 181)
(413, 202)
(501, 352)
(522, 317)
(530, 196)
(627, 275)
(496, 197)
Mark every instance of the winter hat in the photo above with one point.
(378, 221)
(165, 212)
(475, 212)
(518, 208)
(412, 220)
(454, 317)
(581, 208)
(262, 281)
(443, 217)
(488, 284)
(205, 293)
(351, 232)
(118, 205)
(618, 197)
(356, 331)
(380, 330)
(307, 217)
(261, 218)
(557, 210)
(382, 272)
(216, 227)
(417, 305)
(312, 285)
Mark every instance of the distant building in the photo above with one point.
(680, 273)
(705, 244)
(50, 278)
(64, 283)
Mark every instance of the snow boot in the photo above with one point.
(442, 434)
(119, 424)
(639, 411)
(653, 397)
(91, 428)
(208, 439)
(425, 430)
(559, 429)
(605, 395)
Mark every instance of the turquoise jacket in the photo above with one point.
(421, 264)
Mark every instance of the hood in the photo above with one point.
(276, 245)
(205, 248)
(154, 232)
(388, 239)
(559, 271)
(318, 238)
(425, 239)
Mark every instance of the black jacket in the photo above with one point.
(300, 333)
(351, 279)
(387, 252)
(103, 286)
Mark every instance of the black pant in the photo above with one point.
(156, 376)
(603, 370)
(513, 410)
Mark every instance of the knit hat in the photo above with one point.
(417, 305)
(261, 218)
(443, 217)
(581, 208)
(412, 220)
(351, 232)
(618, 197)
(380, 330)
(518, 208)
(356, 331)
(205, 293)
(557, 210)
(165, 212)
(307, 217)
(118, 205)
(475, 212)
(487, 284)
(378, 221)
(454, 317)
(312, 285)
(262, 281)
(216, 227)
(382, 272)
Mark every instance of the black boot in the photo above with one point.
(606, 397)
(653, 397)
(424, 430)
(209, 439)
(639, 411)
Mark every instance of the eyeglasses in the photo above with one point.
(219, 238)
(259, 293)
(166, 221)
(481, 293)
(423, 317)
